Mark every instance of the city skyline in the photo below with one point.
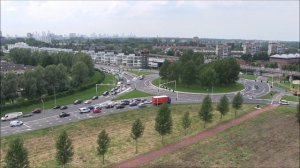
(267, 20)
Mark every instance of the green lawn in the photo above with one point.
(269, 95)
(290, 98)
(85, 94)
(41, 143)
(268, 140)
(248, 76)
(140, 72)
(200, 89)
(133, 94)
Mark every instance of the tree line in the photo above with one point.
(45, 80)
(17, 155)
(262, 55)
(191, 69)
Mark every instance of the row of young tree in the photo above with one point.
(43, 81)
(191, 69)
(263, 55)
(17, 155)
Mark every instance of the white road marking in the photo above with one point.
(27, 126)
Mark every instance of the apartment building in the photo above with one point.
(223, 50)
(251, 48)
(26, 46)
(275, 48)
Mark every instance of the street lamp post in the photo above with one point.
(54, 97)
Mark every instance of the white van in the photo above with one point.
(10, 116)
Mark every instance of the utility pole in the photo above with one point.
(54, 96)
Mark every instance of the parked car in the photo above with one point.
(63, 114)
(36, 110)
(88, 101)
(77, 102)
(108, 106)
(63, 107)
(97, 110)
(91, 107)
(27, 115)
(16, 123)
(133, 103)
(84, 110)
(120, 106)
(94, 97)
(125, 102)
(105, 93)
(142, 105)
(56, 107)
(284, 102)
(147, 102)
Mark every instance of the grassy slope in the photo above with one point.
(290, 98)
(247, 76)
(133, 94)
(200, 89)
(41, 143)
(85, 94)
(268, 140)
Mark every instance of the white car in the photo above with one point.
(284, 102)
(88, 101)
(84, 110)
(16, 123)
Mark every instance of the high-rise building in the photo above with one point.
(275, 48)
(251, 48)
(223, 50)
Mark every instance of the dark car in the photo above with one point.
(36, 111)
(63, 107)
(56, 107)
(105, 93)
(120, 106)
(64, 114)
(91, 107)
(125, 102)
(134, 103)
(27, 115)
(94, 97)
(109, 106)
(77, 102)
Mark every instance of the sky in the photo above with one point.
(261, 20)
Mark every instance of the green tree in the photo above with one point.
(237, 102)
(29, 85)
(62, 74)
(51, 78)
(163, 121)
(64, 149)
(17, 155)
(103, 144)
(189, 73)
(79, 73)
(186, 121)
(206, 109)
(223, 106)
(10, 86)
(137, 131)
(87, 60)
(164, 70)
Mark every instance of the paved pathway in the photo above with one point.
(191, 140)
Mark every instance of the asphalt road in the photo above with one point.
(50, 117)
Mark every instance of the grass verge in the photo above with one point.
(84, 94)
(290, 98)
(41, 143)
(268, 140)
(248, 76)
(201, 89)
(140, 72)
(269, 95)
(133, 94)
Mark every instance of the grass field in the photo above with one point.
(84, 94)
(290, 98)
(268, 140)
(248, 76)
(269, 95)
(133, 94)
(140, 72)
(200, 89)
(41, 143)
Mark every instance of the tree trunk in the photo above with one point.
(204, 124)
(185, 132)
(221, 116)
(103, 158)
(162, 139)
(136, 150)
(235, 114)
